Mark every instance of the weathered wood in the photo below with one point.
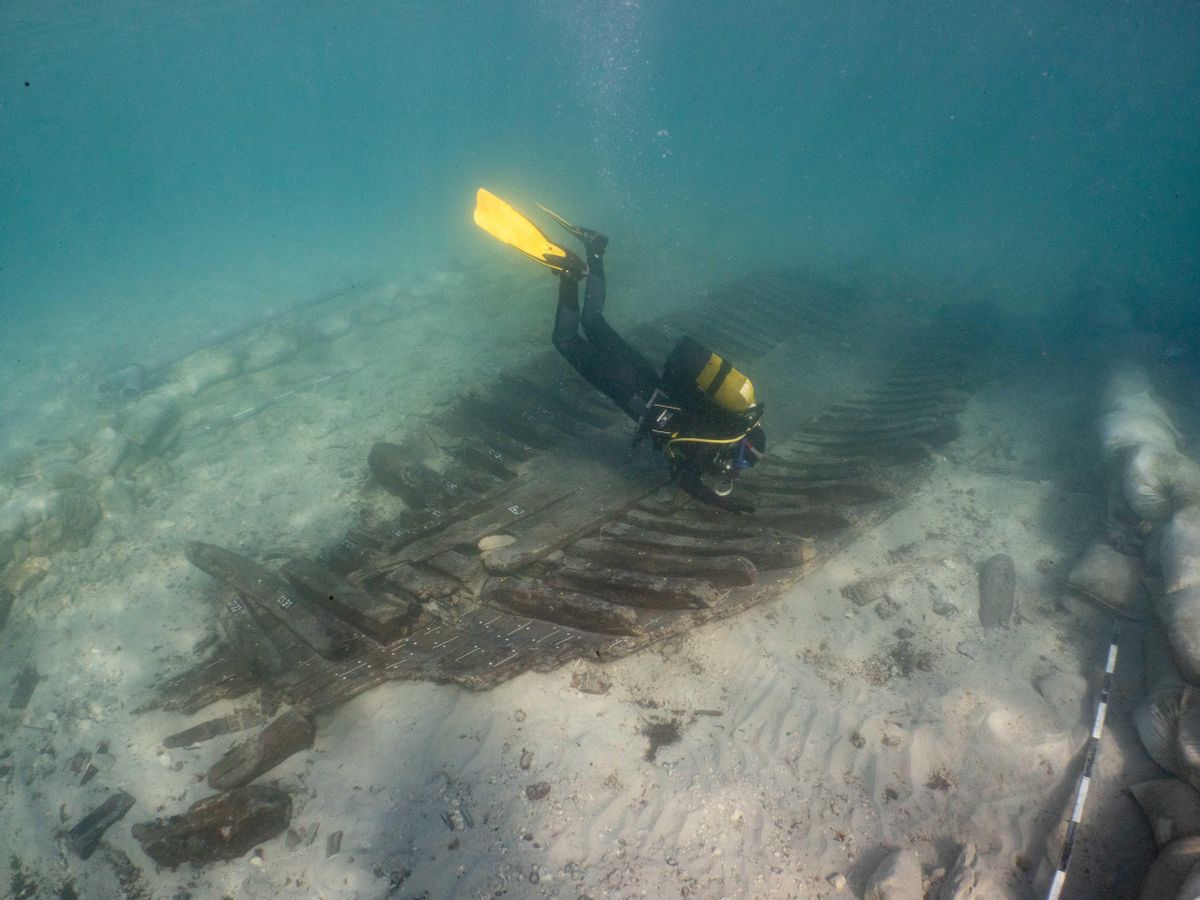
(564, 607)
(247, 637)
(730, 527)
(230, 724)
(483, 458)
(84, 837)
(320, 631)
(525, 499)
(225, 826)
(219, 678)
(382, 616)
(412, 481)
(777, 551)
(731, 571)
(523, 475)
(420, 584)
(287, 734)
(603, 492)
(501, 445)
(26, 684)
(467, 569)
(514, 422)
(638, 588)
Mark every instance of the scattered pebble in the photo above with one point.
(590, 681)
(969, 649)
(537, 791)
(838, 881)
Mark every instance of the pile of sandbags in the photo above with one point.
(1147, 564)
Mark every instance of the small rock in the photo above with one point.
(333, 844)
(518, 715)
(945, 610)
(967, 880)
(969, 649)
(868, 590)
(897, 877)
(538, 791)
(526, 758)
(886, 608)
(905, 633)
(838, 880)
(590, 681)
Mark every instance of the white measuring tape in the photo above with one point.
(1085, 778)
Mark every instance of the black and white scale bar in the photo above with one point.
(1085, 778)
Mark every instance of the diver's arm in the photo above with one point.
(688, 476)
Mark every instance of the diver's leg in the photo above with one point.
(627, 385)
(639, 375)
(566, 317)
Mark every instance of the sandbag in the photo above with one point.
(1124, 429)
(1156, 717)
(1190, 889)
(1179, 612)
(1171, 806)
(1157, 481)
(1112, 579)
(1179, 550)
(1169, 869)
(1128, 379)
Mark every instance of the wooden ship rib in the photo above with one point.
(605, 556)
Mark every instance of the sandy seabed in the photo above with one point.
(776, 754)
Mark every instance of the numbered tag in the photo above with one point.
(516, 510)
(283, 601)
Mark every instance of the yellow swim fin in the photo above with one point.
(505, 224)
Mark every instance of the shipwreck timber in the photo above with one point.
(587, 552)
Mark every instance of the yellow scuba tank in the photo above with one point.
(693, 372)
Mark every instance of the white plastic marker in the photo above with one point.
(1085, 778)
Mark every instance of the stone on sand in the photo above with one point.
(897, 877)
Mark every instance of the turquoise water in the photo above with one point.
(235, 155)
(173, 173)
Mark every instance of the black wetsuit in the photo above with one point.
(626, 377)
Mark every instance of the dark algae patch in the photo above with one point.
(902, 659)
(660, 734)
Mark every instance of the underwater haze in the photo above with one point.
(171, 168)
(297, 496)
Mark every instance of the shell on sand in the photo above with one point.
(1112, 579)
(206, 367)
(495, 542)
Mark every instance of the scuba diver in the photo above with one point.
(700, 411)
